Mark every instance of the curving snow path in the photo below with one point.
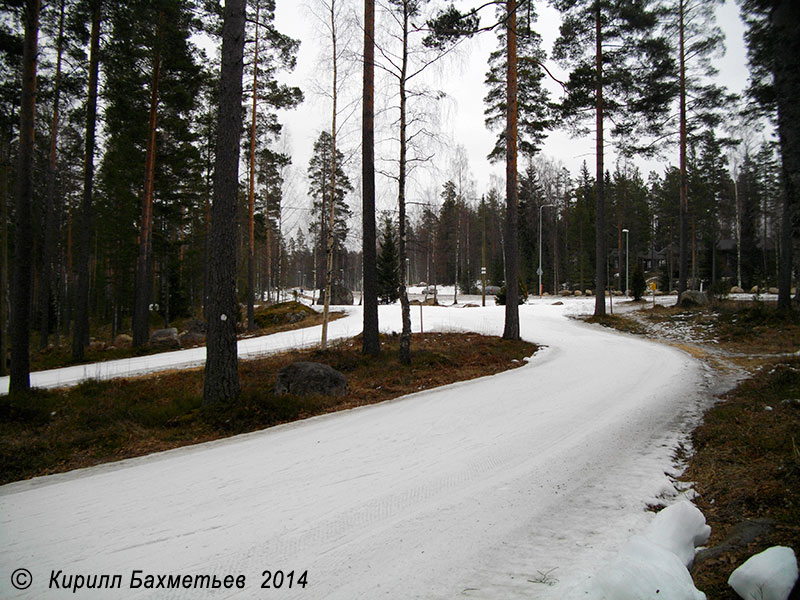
(492, 488)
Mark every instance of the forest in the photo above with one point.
(144, 176)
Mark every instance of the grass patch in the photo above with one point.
(50, 431)
(619, 323)
(746, 466)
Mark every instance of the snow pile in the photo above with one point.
(770, 575)
(655, 563)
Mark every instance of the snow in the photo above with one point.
(770, 575)
(470, 490)
(656, 562)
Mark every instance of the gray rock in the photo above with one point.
(123, 340)
(339, 295)
(308, 378)
(739, 537)
(691, 298)
(165, 338)
(566, 292)
(737, 290)
(196, 326)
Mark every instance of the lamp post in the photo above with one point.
(539, 270)
(627, 285)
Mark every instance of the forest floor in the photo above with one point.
(269, 319)
(51, 431)
(744, 463)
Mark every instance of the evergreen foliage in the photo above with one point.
(388, 264)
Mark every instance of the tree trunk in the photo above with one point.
(683, 260)
(4, 169)
(251, 247)
(511, 329)
(144, 263)
(405, 334)
(785, 22)
(600, 211)
(221, 373)
(23, 232)
(80, 335)
(332, 200)
(370, 343)
(50, 210)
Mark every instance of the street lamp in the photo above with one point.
(539, 270)
(627, 284)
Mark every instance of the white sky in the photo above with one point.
(462, 118)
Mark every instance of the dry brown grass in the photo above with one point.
(746, 466)
(53, 431)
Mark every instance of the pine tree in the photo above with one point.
(370, 339)
(23, 237)
(621, 70)
(388, 266)
(774, 55)
(533, 105)
(221, 372)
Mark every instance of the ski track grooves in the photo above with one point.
(469, 490)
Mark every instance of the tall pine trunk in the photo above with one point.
(23, 233)
(5, 167)
(144, 264)
(683, 259)
(221, 382)
(600, 211)
(511, 330)
(370, 343)
(50, 209)
(785, 24)
(80, 335)
(251, 247)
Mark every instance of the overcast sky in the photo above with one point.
(461, 116)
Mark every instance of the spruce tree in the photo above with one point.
(319, 177)
(388, 266)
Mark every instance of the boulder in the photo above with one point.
(691, 298)
(123, 340)
(196, 326)
(192, 338)
(737, 290)
(755, 289)
(589, 293)
(308, 378)
(97, 346)
(166, 339)
(773, 290)
(578, 293)
(566, 292)
(339, 295)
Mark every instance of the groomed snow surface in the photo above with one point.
(526, 484)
